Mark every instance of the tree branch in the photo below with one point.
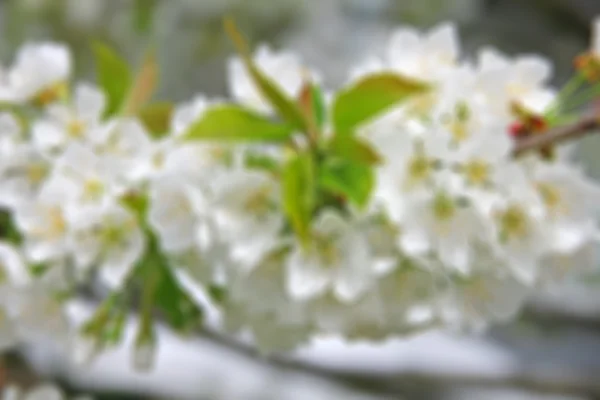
(587, 124)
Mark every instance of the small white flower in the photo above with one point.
(423, 56)
(436, 222)
(572, 202)
(40, 71)
(172, 213)
(338, 257)
(24, 173)
(90, 185)
(519, 230)
(111, 241)
(563, 267)
(521, 80)
(127, 149)
(276, 321)
(486, 296)
(76, 122)
(247, 205)
(42, 222)
(411, 166)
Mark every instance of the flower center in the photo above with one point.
(513, 223)
(420, 168)
(550, 195)
(76, 129)
(326, 249)
(93, 189)
(444, 207)
(36, 172)
(258, 202)
(477, 172)
(56, 225)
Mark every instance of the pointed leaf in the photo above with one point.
(352, 181)
(353, 149)
(312, 106)
(281, 103)
(371, 96)
(113, 76)
(234, 123)
(156, 118)
(299, 193)
(144, 85)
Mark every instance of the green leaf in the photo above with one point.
(371, 96)
(312, 105)
(353, 149)
(114, 77)
(298, 185)
(218, 293)
(319, 106)
(143, 86)
(352, 181)
(234, 123)
(261, 162)
(285, 107)
(175, 304)
(156, 117)
(143, 14)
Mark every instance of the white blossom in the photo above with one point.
(76, 122)
(40, 71)
(337, 257)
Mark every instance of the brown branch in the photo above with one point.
(587, 124)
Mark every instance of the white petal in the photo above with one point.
(353, 276)
(90, 101)
(306, 277)
(13, 265)
(414, 242)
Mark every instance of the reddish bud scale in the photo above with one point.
(516, 129)
(528, 125)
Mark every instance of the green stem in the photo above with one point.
(572, 86)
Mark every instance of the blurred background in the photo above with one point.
(552, 352)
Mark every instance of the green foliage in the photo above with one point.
(370, 97)
(235, 123)
(161, 291)
(285, 107)
(114, 77)
(299, 192)
(350, 180)
(262, 162)
(107, 324)
(312, 104)
(156, 118)
(353, 149)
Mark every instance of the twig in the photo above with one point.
(587, 124)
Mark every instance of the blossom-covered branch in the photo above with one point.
(383, 208)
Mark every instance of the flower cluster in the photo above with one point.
(387, 207)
